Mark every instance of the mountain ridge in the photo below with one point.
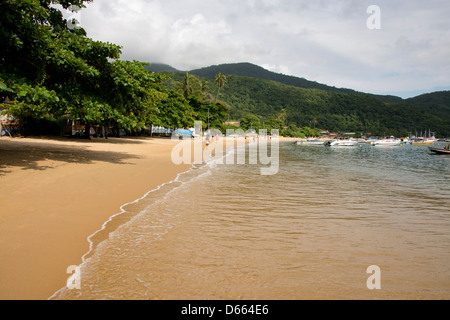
(248, 69)
(254, 90)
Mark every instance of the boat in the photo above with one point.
(422, 141)
(391, 141)
(371, 140)
(406, 141)
(444, 150)
(311, 142)
(342, 143)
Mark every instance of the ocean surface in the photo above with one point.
(309, 232)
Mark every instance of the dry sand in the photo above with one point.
(57, 192)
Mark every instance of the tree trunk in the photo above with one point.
(87, 131)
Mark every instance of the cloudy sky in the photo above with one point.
(327, 41)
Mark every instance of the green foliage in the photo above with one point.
(175, 111)
(246, 69)
(49, 70)
(250, 121)
(253, 90)
(197, 93)
(339, 112)
(220, 80)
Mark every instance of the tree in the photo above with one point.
(51, 70)
(187, 85)
(250, 121)
(293, 131)
(221, 80)
(174, 111)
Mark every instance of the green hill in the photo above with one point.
(253, 90)
(329, 110)
(250, 70)
(436, 103)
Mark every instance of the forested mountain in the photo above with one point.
(342, 112)
(250, 70)
(436, 103)
(320, 106)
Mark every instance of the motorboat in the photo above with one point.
(444, 150)
(311, 142)
(423, 141)
(391, 141)
(342, 143)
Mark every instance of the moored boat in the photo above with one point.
(391, 141)
(444, 150)
(342, 143)
(311, 142)
(423, 142)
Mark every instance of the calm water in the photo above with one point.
(309, 232)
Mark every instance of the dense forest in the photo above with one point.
(253, 90)
(250, 70)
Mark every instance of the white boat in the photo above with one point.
(311, 142)
(342, 143)
(387, 142)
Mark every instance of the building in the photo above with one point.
(232, 123)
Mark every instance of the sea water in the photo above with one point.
(309, 232)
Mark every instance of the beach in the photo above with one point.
(141, 227)
(56, 192)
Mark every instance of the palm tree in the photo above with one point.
(186, 85)
(221, 79)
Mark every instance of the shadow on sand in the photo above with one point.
(32, 153)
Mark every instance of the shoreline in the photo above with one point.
(58, 192)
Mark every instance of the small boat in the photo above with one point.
(423, 142)
(311, 142)
(342, 143)
(391, 141)
(444, 150)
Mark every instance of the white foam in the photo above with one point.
(122, 211)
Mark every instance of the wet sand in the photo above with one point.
(56, 192)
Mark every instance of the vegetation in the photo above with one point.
(246, 69)
(50, 70)
(339, 110)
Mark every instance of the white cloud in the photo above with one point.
(325, 41)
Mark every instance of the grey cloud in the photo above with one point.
(325, 40)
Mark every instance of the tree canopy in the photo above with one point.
(49, 69)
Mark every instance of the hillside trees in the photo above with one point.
(202, 104)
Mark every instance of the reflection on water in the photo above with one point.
(310, 232)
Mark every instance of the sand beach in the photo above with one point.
(256, 236)
(56, 192)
